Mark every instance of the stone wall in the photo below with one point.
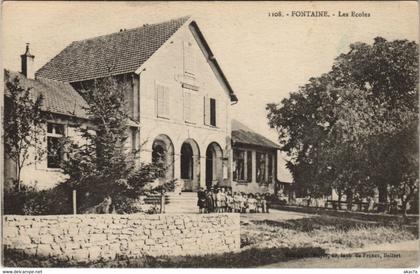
(92, 237)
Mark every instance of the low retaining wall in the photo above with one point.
(93, 237)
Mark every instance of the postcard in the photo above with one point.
(210, 135)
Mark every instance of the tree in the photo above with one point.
(348, 128)
(24, 131)
(387, 73)
(102, 159)
(304, 122)
(405, 165)
(102, 164)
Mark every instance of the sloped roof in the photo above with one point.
(59, 97)
(116, 53)
(243, 135)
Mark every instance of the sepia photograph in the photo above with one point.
(279, 135)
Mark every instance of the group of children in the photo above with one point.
(223, 200)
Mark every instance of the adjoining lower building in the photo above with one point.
(254, 161)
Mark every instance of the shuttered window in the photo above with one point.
(210, 111)
(163, 98)
(206, 110)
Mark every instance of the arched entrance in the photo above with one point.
(214, 165)
(163, 154)
(190, 165)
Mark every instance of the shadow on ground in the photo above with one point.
(246, 258)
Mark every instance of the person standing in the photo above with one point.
(224, 199)
(252, 203)
(215, 206)
(267, 202)
(219, 200)
(263, 202)
(259, 203)
(201, 202)
(244, 203)
(229, 202)
(237, 202)
(209, 201)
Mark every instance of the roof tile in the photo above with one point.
(244, 135)
(59, 97)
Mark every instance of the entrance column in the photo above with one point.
(220, 168)
(254, 166)
(196, 172)
(202, 179)
(273, 168)
(177, 165)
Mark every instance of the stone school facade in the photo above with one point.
(179, 102)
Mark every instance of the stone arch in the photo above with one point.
(214, 164)
(163, 153)
(190, 164)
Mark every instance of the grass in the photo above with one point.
(328, 233)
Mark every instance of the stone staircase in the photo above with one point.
(184, 203)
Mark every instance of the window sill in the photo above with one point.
(189, 75)
(189, 86)
(210, 126)
(162, 117)
(190, 123)
(54, 169)
(263, 183)
(242, 182)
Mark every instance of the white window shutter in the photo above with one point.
(206, 110)
(166, 102)
(163, 98)
(187, 106)
(195, 103)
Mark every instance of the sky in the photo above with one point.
(264, 58)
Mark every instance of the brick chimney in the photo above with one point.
(27, 60)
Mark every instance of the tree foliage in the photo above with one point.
(23, 124)
(103, 150)
(102, 163)
(355, 127)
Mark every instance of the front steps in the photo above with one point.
(184, 203)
